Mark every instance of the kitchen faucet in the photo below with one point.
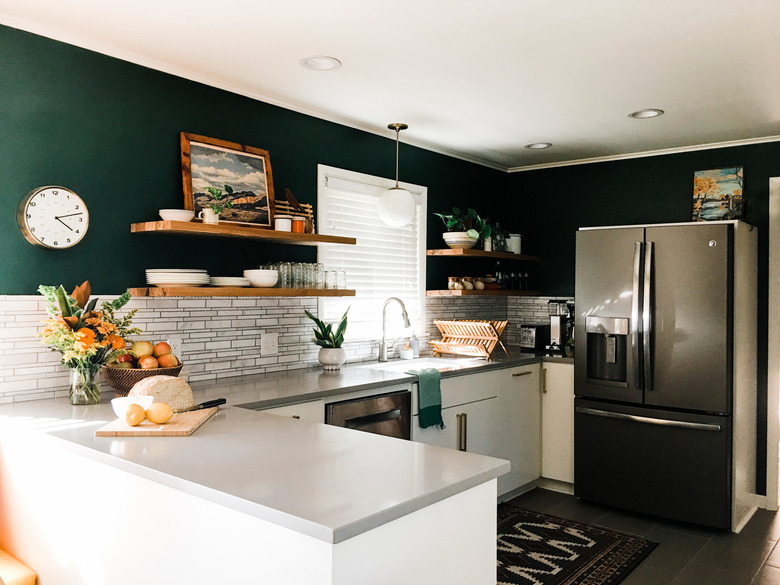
(383, 343)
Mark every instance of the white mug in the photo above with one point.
(208, 216)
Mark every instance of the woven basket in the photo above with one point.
(123, 379)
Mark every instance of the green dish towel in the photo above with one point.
(429, 397)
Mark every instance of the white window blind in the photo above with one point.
(386, 262)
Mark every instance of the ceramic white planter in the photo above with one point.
(459, 240)
(331, 358)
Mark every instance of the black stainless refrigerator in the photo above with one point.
(665, 370)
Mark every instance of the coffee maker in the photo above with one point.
(561, 324)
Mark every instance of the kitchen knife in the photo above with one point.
(202, 405)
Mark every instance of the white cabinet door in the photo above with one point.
(558, 422)
(467, 427)
(519, 424)
(312, 411)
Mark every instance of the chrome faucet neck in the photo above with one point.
(407, 323)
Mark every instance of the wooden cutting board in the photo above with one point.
(180, 425)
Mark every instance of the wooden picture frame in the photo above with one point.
(210, 162)
(718, 194)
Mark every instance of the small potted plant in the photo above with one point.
(331, 354)
(219, 201)
(464, 229)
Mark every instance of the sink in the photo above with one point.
(441, 364)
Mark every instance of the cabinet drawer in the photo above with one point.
(312, 411)
(462, 390)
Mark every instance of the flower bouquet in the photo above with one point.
(87, 338)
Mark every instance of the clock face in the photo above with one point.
(53, 217)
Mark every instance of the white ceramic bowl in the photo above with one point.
(262, 278)
(121, 403)
(177, 214)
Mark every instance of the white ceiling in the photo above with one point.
(473, 79)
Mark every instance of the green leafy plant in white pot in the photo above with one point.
(464, 229)
(331, 354)
(219, 201)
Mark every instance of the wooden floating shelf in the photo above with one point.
(195, 228)
(236, 291)
(483, 292)
(482, 254)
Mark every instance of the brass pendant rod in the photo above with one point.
(397, 127)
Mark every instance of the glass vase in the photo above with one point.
(83, 387)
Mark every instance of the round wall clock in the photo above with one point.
(53, 217)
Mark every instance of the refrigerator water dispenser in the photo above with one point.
(607, 350)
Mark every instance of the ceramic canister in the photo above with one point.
(283, 223)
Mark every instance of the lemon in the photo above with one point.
(159, 413)
(134, 415)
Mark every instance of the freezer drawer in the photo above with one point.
(672, 465)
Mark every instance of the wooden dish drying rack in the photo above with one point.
(469, 337)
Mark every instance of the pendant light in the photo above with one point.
(396, 206)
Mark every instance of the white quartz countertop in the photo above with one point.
(327, 482)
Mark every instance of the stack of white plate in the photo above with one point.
(177, 277)
(458, 240)
(229, 281)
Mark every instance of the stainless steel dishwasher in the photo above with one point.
(385, 414)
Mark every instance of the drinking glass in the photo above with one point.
(297, 275)
(285, 275)
(309, 275)
(319, 276)
(341, 279)
(330, 279)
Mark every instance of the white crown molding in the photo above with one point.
(678, 150)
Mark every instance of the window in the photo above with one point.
(386, 262)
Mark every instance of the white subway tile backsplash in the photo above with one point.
(220, 337)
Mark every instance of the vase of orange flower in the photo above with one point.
(86, 337)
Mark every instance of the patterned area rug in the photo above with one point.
(538, 549)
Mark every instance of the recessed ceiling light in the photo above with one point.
(538, 145)
(647, 113)
(320, 63)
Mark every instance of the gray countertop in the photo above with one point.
(327, 482)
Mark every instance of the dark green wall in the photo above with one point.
(109, 130)
(553, 203)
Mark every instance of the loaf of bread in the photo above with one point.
(175, 391)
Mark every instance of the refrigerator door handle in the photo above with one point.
(650, 421)
(648, 317)
(636, 280)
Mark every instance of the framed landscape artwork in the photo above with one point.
(717, 194)
(210, 162)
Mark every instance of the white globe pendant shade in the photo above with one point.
(396, 207)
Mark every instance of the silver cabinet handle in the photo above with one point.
(462, 431)
(544, 380)
(650, 421)
(465, 421)
(635, 282)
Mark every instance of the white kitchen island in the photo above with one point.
(250, 497)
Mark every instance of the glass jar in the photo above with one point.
(83, 387)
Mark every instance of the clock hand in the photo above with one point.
(63, 223)
(69, 215)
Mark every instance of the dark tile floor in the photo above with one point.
(686, 554)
